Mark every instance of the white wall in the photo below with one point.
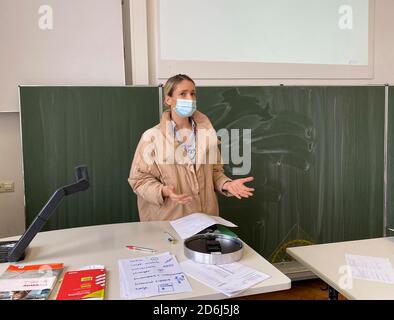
(85, 47)
(136, 41)
(12, 219)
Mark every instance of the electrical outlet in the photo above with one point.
(7, 186)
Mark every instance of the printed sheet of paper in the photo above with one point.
(194, 223)
(370, 268)
(230, 279)
(151, 276)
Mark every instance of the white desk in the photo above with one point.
(106, 244)
(325, 260)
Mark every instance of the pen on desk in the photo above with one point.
(170, 237)
(136, 248)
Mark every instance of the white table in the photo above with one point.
(327, 261)
(106, 244)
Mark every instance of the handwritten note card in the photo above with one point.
(370, 268)
(151, 276)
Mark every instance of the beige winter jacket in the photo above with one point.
(160, 160)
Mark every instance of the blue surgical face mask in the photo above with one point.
(185, 108)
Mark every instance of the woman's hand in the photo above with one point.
(169, 191)
(237, 188)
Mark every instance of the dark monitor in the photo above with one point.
(12, 251)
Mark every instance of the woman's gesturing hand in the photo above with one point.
(238, 189)
(169, 191)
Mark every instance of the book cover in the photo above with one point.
(83, 285)
(30, 282)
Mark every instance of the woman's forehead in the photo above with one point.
(185, 85)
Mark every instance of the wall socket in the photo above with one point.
(7, 186)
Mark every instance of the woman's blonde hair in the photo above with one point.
(172, 82)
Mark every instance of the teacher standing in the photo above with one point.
(172, 172)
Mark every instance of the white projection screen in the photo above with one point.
(261, 39)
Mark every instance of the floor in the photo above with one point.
(314, 289)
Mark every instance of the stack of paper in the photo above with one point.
(230, 279)
(151, 276)
(370, 268)
(192, 224)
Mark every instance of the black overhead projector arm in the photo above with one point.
(81, 183)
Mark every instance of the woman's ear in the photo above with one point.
(169, 101)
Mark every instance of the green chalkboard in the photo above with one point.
(390, 162)
(63, 127)
(317, 156)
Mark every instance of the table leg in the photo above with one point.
(332, 293)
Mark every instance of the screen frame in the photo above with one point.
(203, 70)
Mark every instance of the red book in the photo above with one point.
(83, 285)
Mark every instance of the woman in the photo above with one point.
(175, 171)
